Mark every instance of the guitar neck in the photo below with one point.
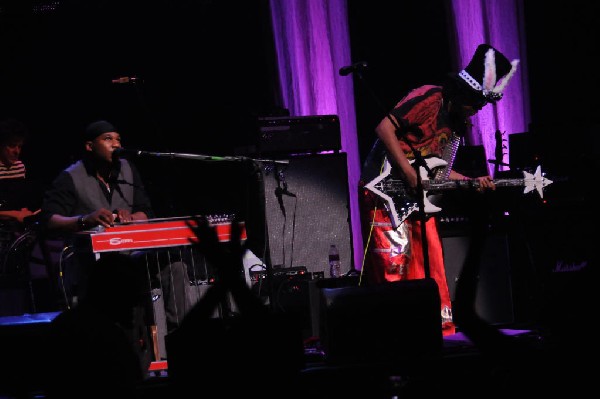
(441, 184)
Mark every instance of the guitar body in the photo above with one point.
(433, 163)
(400, 200)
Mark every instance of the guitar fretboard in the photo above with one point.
(443, 184)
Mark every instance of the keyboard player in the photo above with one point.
(97, 191)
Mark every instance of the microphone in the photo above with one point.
(127, 80)
(121, 152)
(356, 67)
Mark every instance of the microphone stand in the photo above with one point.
(202, 157)
(279, 192)
(417, 164)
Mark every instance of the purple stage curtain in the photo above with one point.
(499, 23)
(312, 42)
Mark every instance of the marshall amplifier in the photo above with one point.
(298, 134)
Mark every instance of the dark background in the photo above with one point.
(207, 69)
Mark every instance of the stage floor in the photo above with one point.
(460, 357)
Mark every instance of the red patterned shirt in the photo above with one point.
(422, 113)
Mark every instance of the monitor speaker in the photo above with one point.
(391, 322)
(307, 210)
(494, 302)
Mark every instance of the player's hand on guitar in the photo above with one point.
(485, 183)
(409, 175)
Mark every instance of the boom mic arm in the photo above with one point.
(355, 67)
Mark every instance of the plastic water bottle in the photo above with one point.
(334, 262)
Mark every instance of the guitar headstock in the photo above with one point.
(536, 181)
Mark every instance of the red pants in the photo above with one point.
(395, 255)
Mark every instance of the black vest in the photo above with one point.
(91, 196)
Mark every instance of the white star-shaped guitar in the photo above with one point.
(400, 201)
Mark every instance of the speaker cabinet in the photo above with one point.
(494, 301)
(307, 210)
(382, 323)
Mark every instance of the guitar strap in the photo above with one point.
(448, 155)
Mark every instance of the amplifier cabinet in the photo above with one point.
(299, 134)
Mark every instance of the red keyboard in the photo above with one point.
(155, 233)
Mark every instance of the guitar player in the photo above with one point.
(427, 121)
